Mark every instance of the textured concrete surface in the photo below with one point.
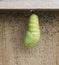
(13, 25)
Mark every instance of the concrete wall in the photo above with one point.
(13, 25)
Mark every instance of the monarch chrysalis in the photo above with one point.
(33, 33)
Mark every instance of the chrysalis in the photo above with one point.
(33, 33)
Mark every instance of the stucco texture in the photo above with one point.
(13, 26)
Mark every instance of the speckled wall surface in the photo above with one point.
(13, 25)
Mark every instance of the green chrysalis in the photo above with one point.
(33, 33)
